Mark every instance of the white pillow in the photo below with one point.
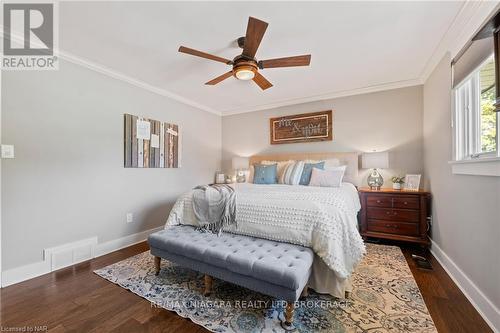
(331, 177)
(292, 174)
(249, 174)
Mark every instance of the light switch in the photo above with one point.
(7, 151)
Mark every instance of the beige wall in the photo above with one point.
(388, 120)
(466, 209)
(67, 181)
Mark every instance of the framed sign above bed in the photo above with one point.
(305, 127)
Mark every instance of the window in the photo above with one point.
(476, 122)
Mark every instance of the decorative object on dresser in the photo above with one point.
(305, 127)
(412, 182)
(374, 161)
(397, 182)
(395, 214)
(240, 164)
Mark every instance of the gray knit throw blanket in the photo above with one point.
(214, 207)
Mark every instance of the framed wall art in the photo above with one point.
(150, 143)
(305, 127)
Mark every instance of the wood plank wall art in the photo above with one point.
(150, 143)
(305, 127)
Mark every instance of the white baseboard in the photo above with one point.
(120, 243)
(26, 272)
(483, 305)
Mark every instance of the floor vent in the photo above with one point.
(70, 254)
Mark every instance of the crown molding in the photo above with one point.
(466, 23)
(331, 95)
(74, 59)
(77, 60)
(469, 19)
(130, 80)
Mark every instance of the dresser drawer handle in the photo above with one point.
(394, 226)
(378, 201)
(388, 213)
(405, 203)
(395, 213)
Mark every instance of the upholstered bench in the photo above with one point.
(272, 268)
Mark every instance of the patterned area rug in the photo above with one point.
(385, 298)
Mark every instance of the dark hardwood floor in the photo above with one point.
(76, 300)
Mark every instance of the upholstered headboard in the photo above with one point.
(348, 159)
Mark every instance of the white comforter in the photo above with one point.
(321, 218)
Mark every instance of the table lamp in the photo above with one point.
(374, 161)
(240, 164)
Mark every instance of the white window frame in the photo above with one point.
(467, 156)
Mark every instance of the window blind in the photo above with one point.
(468, 60)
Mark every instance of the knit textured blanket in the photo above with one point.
(214, 207)
(321, 218)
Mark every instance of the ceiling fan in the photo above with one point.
(245, 66)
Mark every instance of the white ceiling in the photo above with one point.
(354, 45)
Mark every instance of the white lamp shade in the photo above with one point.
(240, 163)
(379, 160)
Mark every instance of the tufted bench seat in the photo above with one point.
(276, 269)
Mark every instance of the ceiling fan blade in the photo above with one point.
(262, 81)
(302, 60)
(255, 31)
(197, 53)
(220, 78)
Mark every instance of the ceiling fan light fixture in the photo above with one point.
(244, 73)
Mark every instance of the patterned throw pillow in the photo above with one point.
(292, 173)
(265, 174)
(306, 173)
(332, 177)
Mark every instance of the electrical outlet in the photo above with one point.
(130, 217)
(7, 151)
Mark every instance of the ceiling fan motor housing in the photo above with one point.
(241, 42)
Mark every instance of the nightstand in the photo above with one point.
(395, 214)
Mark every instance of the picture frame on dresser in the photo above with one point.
(396, 215)
(412, 182)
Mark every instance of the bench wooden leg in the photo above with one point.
(290, 308)
(305, 292)
(208, 285)
(157, 265)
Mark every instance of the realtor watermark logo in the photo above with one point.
(30, 36)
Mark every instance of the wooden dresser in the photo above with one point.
(393, 214)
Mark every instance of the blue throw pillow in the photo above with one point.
(306, 173)
(265, 174)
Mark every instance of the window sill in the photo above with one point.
(488, 166)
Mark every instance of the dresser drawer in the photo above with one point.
(391, 227)
(404, 215)
(407, 202)
(379, 201)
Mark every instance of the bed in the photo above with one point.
(321, 218)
